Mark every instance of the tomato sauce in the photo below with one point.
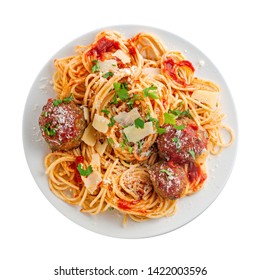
(170, 67)
(74, 166)
(102, 46)
(126, 205)
(195, 172)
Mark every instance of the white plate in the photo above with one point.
(110, 223)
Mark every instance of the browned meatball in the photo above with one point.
(62, 124)
(182, 143)
(169, 179)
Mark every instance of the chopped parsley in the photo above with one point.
(160, 130)
(192, 153)
(48, 130)
(139, 123)
(57, 102)
(121, 91)
(151, 92)
(45, 114)
(179, 127)
(68, 99)
(125, 138)
(110, 141)
(177, 143)
(140, 145)
(96, 66)
(170, 118)
(114, 100)
(180, 113)
(108, 74)
(122, 145)
(105, 111)
(112, 122)
(130, 149)
(131, 102)
(166, 172)
(84, 172)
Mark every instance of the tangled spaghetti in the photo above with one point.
(123, 165)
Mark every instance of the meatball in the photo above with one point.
(183, 142)
(62, 124)
(169, 179)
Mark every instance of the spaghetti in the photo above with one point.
(126, 88)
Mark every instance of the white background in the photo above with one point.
(35, 237)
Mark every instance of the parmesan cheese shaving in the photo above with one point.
(122, 56)
(100, 123)
(89, 136)
(86, 113)
(151, 72)
(95, 162)
(134, 134)
(108, 65)
(127, 118)
(92, 181)
(100, 148)
(207, 97)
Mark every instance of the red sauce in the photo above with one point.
(194, 172)
(186, 63)
(74, 165)
(170, 67)
(102, 46)
(126, 205)
(131, 48)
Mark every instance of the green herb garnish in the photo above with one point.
(122, 145)
(131, 102)
(160, 130)
(110, 141)
(45, 114)
(180, 113)
(84, 172)
(96, 66)
(166, 172)
(139, 123)
(48, 130)
(170, 118)
(67, 99)
(130, 149)
(57, 102)
(112, 122)
(151, 92)
(179, 127)
(121, 91)
(192, 153)
(177, 143)
(108, 74)
(105, 111)
(114, 100)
